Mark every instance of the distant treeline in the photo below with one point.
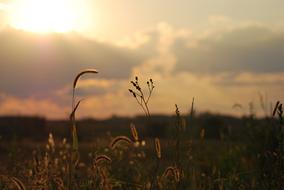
(37, 128)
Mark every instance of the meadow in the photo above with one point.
(184, 151)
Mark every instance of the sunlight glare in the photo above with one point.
(46, 15)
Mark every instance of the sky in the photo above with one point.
(221, 52)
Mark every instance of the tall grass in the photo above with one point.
(182, 161)
(75, 144)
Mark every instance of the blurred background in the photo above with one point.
(222, 53)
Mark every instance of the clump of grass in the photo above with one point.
(143, 101)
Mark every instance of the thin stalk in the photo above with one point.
(74, 137)
(154, 177)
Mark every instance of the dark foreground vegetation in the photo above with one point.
(183, 151)
(214, 152)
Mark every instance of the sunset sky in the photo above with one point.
(221, 52)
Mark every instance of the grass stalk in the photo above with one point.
(74, 152)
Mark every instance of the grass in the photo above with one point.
(182, 160)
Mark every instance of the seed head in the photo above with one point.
(202, 134)
(102, 158)
(119, 139)
(158, 148)
(134, 132)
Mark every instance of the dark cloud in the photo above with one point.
(37, 65)
(249, 49)
(251, 80)
(41, 65)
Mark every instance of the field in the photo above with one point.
(183, 151)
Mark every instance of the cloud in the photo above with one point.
(93, 87)
(250, 49)
(4, 8)
(251, 79)
(29, 106)
(219, 67)
(36, 65)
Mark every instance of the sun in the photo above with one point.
(45, 15)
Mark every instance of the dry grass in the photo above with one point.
(181, 162)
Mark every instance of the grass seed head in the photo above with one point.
(18, 183)
(118, 140)
(134, 132)
(177, 175)
(102, 158)
(94, 71)
(169, 171)
(158, 148)
(202, 134)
